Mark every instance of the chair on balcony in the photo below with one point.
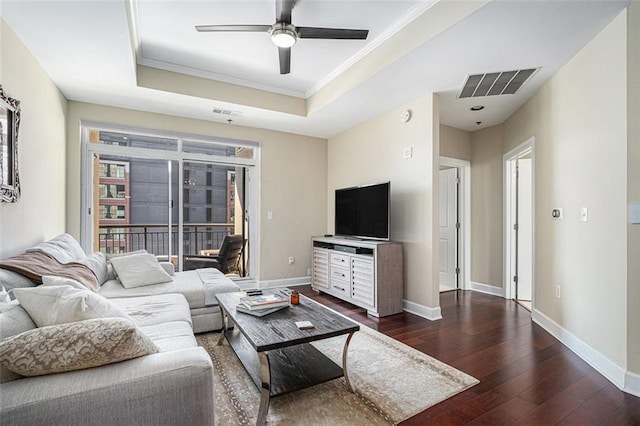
(226, 259)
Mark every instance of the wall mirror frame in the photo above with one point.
(9, 126)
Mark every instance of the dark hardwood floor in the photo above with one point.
(526, 375)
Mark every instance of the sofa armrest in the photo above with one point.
(165, 388)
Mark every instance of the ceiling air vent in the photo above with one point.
(495, 83)
(227, 112)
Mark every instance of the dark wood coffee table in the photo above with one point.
(276, 354)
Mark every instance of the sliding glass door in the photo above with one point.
(181, 200)
(212, 210)
(133, 199)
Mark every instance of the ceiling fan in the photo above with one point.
(284, 34)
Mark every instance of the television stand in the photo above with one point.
(366, 273)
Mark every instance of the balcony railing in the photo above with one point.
(154, 238)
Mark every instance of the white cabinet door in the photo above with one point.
(362, 281)
(320, 268)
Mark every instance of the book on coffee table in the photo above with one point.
(259, 312)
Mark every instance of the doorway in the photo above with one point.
(455, 223)
(449, 225)
(519, 221)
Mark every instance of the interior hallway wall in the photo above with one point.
(487, 255)
(581, 161)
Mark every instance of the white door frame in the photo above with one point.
(464, 215)
(509, 241)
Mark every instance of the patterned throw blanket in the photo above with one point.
(35, 264)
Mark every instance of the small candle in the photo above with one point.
(295, 297)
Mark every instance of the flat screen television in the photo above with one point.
(363, 211)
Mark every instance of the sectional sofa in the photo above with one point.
(167, 380)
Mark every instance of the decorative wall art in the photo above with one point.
(9, 126)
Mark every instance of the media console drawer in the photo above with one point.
(341, 287)
(339, 273)
(339, 259)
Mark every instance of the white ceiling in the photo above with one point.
(252, 58)
(90, 50)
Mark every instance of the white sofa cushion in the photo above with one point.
(75, 346)
(189, 283)
(139, 270)
(157, 309)
(171, 336)
(50, 305)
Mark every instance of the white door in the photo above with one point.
(448, 234)
(525, 230)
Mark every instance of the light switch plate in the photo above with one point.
(634, 213)
(584, 214)
(407, 153)
(269, 215)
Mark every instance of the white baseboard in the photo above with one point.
(286, 282)
(488, 289)
(613, 372)
(432, 314)
(632, 383)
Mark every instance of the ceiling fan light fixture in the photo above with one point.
(283, 35)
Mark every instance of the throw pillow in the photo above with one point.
(111, 273)
(139, 270)
(97, 262)
(64, 248)
(10, 279)
(130, 253)
(52, 280)
(13, 320)
(50, 305)
(75, 346)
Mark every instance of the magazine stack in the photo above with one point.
(263, 304)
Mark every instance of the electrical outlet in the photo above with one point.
(309, 271)
(291, 260)
(558, 291)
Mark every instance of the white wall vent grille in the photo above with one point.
(495, 83)
(227, 112)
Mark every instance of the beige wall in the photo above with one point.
(455, 143)
(293, 181)
(372, 152)
(633, 182)
(579, 121)
(486, 206)
(40, 212)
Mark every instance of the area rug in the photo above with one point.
(393, 382)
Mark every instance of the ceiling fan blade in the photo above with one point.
(283, 10)
(240, 28)
(332, 33)
(284, 54)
